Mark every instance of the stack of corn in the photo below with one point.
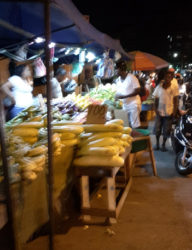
(69, 133)
(28, 131)
(56, 141)
(33, 162)
(103, 144)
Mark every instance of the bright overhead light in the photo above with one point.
(90, 56)
(82, 56)
(39, 40)
(175, 54)
(52, 45)
(77, 51)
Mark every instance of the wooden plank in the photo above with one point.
(85, 201)
(111, 199)
(95, 171)
(123, 197)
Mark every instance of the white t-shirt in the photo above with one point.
(22, 92)
(126, 87)
(165, 96)
(56, 88)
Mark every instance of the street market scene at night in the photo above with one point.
(95, 125)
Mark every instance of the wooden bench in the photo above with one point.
(109, 179)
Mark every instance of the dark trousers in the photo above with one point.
(163, 126)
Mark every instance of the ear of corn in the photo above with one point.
(115, 121)
(101, 151)
(102, 135)
(33, 124)
(37, 151)
(67, 136)
(29, 132)
(69, 143)
(102, 128)
(127, 130)
(105, 161)
(68, 128)
(106, 141)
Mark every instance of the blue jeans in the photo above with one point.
(12, 112)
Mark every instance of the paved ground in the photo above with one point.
(157, 215)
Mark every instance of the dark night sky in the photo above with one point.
(139, 24)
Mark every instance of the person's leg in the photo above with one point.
(167, 123)
(134, 116)
(157, 130)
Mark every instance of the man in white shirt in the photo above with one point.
(56, 83)
(128, 89)
(166, 105)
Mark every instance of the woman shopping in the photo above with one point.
(17, 89)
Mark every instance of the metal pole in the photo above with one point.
(8, 200)
(49, 119)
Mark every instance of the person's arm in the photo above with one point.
(6, 91)
(156, 105)
(175, 105)
(134, 93)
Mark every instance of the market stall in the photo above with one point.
(31, 167)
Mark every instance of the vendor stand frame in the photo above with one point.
(8, 200)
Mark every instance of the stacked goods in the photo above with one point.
(82, 102)
(103, 144)
(28, 131)
(33, 162)
(56, 141)
(24, 160)
(69, 134)
(105, 94)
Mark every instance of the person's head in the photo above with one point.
(88, 71)
(179, 78)
(172, 72)
(60, 74)
(121, 67)
(168, 77)
(21, 70)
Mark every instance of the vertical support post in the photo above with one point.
(49, 119)
(7, 191)
(85, 198)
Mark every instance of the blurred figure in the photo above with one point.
(17, 90)
(89, 81)
(182, 86)
(128, 89)
(56, 81)
(166, 106)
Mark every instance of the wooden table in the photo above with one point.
(109, 178)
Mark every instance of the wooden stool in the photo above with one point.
(110, 179)
(147, 147)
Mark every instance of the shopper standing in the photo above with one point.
(17, 89)
(128, 89)
(166, 105)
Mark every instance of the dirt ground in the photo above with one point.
(157, 214)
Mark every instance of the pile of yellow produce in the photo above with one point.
(69, 133)
(82, 102)
(33, 162)
(103, 144)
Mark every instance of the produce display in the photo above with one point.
(103, 144)
(26, 141)
(105, 94)
(98, 144)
